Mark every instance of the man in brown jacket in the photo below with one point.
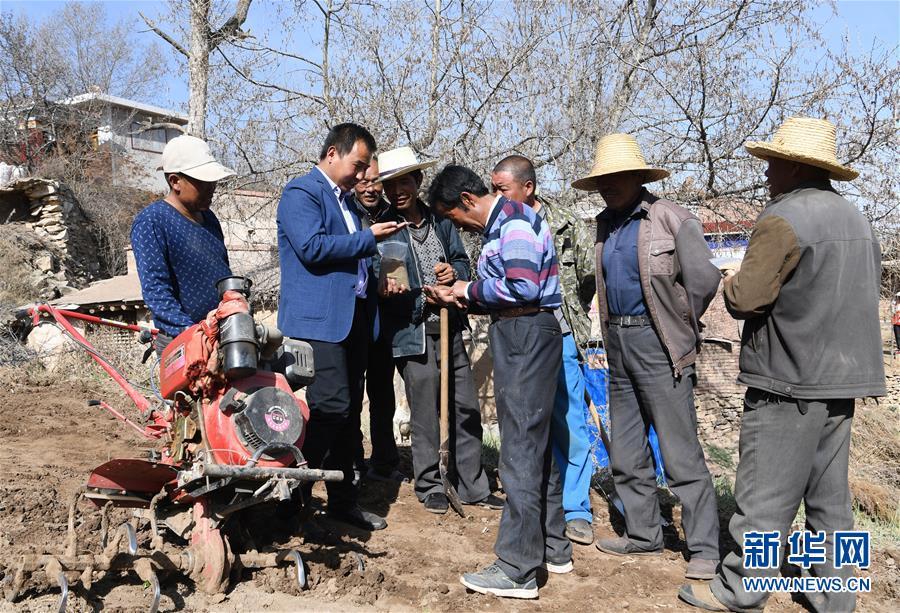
(654, 281)
(808, 289)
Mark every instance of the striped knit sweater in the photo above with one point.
(517, 265)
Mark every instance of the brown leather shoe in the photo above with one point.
(700, 596)
(580, 531)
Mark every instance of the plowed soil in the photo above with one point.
(50, 440)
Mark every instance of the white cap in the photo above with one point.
(400, 161)
(189, 155)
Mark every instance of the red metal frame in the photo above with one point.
(159, 426)
(36, 310)
(224, 445)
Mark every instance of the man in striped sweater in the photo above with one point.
(518, 284)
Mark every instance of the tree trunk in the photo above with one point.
(624, 94)
(198, 68)
(326, 76)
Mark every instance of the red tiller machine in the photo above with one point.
(230, 431)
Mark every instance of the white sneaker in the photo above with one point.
(558, 569)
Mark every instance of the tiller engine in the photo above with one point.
(230, 430)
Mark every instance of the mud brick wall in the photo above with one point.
(718, 323)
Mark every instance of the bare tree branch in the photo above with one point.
(232, 27)
(156, 30)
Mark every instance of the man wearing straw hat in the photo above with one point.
(434, 255)
(808, 288)
(654, 281)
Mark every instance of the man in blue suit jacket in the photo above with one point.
(329, 299)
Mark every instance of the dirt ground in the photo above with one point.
(51, 440)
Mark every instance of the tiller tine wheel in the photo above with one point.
(144, 569)
(255, 560)
(63, 591)
(302, 580)
(211, 556)
(75, 566)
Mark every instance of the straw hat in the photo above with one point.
(808, 141)
(618, 153)
(400, 161)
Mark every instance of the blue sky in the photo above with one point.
(860, 20)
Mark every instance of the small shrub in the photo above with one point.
(720, 456)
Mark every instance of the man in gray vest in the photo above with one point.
(808, 289)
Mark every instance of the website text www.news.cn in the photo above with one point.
(851, 548)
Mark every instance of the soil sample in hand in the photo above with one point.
(396, 270)
(393, 261)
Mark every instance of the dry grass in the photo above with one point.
(73, 363)
(16, 284)
(875, 461)
(17, 287)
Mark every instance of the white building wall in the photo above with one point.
(141, 153)
(248, 223)
(136, 154)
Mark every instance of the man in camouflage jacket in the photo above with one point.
(574, 242)
(515, 178)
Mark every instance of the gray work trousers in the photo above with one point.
(643, 391)
(791, 451)
(527, 354)
(422, 376)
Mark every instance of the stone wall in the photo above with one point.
(66, 253)
(718, 396)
